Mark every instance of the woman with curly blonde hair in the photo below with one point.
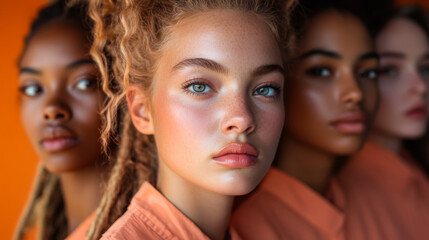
(203, 79)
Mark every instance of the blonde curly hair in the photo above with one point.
(129, 36)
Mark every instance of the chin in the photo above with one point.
(413, 132)
(349, 147)
(63, 164)
(236, 184)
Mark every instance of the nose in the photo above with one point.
(350, 91)
(56, 110)
(238, 117)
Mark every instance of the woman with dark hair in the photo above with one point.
(387, 191)
(330, 99)
(60, 102)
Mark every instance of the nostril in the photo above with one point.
(46, 116)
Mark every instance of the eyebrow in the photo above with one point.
(265, 69)
(214, 66)
(201, 62)
(29, 70)
(391, 55)
(369, 55)
(78, 63)
(72, 65)
(320, 52)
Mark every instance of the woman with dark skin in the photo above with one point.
(60, 103)
(387, 191)
(329, 101)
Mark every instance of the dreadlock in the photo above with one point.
(128, 38)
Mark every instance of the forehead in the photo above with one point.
(224, 36)
(338, 32)
(56, 44)
(404, 36)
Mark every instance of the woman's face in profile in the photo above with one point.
(332, 95)
(60, 100)
(404, 53)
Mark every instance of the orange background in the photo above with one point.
(17, 158)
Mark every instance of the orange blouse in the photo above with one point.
(387, 196)
(151, 216)
(282, 207)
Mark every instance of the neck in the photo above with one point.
(387, 141)
(307, 164)
(82, 191)
(208, 210)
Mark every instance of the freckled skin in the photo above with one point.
(191, 128)
(50, 51)
(406, 86)
(186, 145)
(312, 103)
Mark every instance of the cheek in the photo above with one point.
(390, 99)
(86, 112)
(270, 121)
(308, 108)
(177, 119)
(370, 97)
(31, 116)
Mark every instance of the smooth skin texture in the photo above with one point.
(335, 76)
(60, 105)
(404, 50)
(219, 81)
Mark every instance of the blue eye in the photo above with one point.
(31, 90)
(268, 91)
(197, 87)
(85, 84)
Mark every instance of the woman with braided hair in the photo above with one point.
(203, 79)
(60, 104)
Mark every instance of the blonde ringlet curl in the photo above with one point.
(129, 37)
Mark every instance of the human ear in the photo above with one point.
(139, 110)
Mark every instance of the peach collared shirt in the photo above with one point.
(282, 207)
(387, 196)
(151, 216)
(80, 232)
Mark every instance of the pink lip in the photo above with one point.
(237, 155)
(57, 138)
(350, 123)
(418, 111)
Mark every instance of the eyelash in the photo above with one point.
(196, 81)
(316, 71)
(276, 88)
(389, 70)
(365, 73)
(23, 89)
